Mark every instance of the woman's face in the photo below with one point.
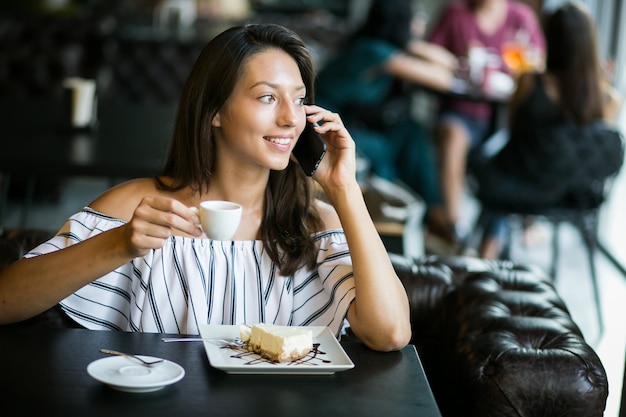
(264, 115)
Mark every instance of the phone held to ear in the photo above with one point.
(309, 150)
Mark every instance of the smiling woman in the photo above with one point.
(262, 120)
(135, 259)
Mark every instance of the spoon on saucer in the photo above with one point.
(130, 355)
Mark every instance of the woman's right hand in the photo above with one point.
(150, 221)
(155, 220)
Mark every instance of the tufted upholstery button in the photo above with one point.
(489, 370)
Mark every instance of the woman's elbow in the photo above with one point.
(392, 338)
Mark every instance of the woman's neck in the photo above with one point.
(491, 15)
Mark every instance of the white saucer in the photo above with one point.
(125, 374)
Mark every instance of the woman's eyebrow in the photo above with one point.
(275, 86)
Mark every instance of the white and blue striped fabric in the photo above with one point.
(195, 281)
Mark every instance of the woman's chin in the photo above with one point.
(279, 166)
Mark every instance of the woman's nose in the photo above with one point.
(289, 113)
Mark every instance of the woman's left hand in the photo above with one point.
(338, 167)
(379, 314)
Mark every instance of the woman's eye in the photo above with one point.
(267, 98)
(301, 101)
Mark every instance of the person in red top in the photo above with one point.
(463, 125)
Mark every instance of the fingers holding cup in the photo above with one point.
(219, 219)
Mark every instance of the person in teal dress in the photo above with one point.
(366, 82)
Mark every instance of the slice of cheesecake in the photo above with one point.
(277, 343)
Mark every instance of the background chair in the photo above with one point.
(570, 170)
(583, 215)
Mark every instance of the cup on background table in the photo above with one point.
(477, 59)
(83, 99)
(219, 219)
(515, 57)
(519, 54)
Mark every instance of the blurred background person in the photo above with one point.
(366, 83)
(464, 26)
(572, 89)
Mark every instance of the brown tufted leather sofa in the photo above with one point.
(495, 338)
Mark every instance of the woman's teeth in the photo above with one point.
(280, 141)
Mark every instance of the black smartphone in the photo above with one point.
(309, 150)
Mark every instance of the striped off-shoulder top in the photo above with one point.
(190, 281)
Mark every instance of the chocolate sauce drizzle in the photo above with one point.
(313, 358)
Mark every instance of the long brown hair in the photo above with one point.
(389, 20)
(289, 213)
(572, 57)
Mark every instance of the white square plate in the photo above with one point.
(327, 356)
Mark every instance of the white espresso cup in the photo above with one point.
(219, 219)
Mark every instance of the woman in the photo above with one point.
(462, 125)
(136, 259)
(570, 92)
(365, 83)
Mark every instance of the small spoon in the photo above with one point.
(130, 355)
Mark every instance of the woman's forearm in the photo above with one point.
(434, 53)
(420, 72)
(380, 313)
(32, 285)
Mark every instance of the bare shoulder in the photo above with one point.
(328, 215)
(612, 101)
(525, 85)
(120, 201)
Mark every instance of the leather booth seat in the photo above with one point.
(494, 337)
(497, 340)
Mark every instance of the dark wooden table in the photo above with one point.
(43, 372)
